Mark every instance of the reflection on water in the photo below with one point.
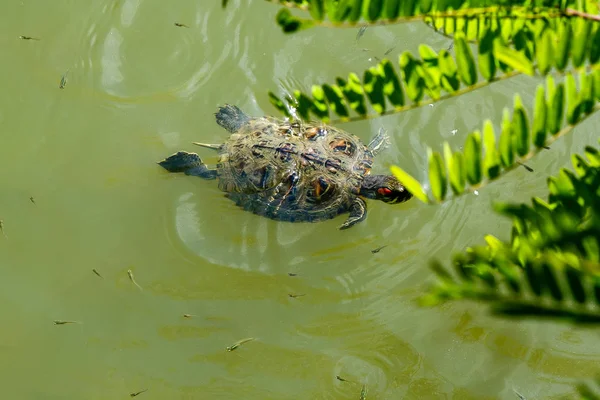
(319, 302)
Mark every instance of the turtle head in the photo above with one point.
(385, 188)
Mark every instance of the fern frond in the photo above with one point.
(349, 13)
(416, 81)
(484, 160)
(550, 267)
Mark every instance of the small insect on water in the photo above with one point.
(28, 38)
(239, 343)
(361, 32)
(377, 250)
(32, 199)
(132, 279)
(181, 25)
(339, 378)
(137, 393)
(293, 296)
(96, 272)
(61, 322)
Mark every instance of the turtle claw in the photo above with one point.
(231, 118)
(358, 212)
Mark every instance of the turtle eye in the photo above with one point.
(384, 191)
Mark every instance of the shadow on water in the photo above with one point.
(319, 303)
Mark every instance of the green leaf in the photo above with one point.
(593, 155)
(391, 9)
(533, 278)
(576, 285)
(437, 175)
(550, 282)
(414, 83)
(354, 93)
(539, 117)
(514, 59)
(556, 109)
(391, 84)
(561, 52)
(573, 109)
(278, 104)
(586, 98)
(319, 105)
(335, 98)
(579, 164)
(373, 86)
(579, 46)
(410, 183)
(457, 172)
(317, 11)
(304, 105)
(373, 9)
(597, 84)
(449, 80)
(520, 128)
(594, 52)
(544, 51)
(487, 62)
(507, 155)
(291, 24)
(355, 8)
(492, 158)
(465, 61)
(473, 158)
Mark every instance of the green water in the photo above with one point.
(138, 88)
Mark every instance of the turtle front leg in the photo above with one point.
(358, 212)
(188, 163)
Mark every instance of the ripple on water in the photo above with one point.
(119, 60)
(213, 228)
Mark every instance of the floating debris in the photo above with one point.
(519, 395)
(239, 343)
(181, 25)
(377, 250)
(132, 279)
(28, 38)
(138, 393)
(293, 296)
(528, 168)
(363, 392)
(361, 32)
(63, 80)
(60, 322)
(97, 273)
(339, 378)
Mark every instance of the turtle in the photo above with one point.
(292, 170)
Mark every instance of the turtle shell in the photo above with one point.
(292, 171)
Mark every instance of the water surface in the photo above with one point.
(139, 88)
